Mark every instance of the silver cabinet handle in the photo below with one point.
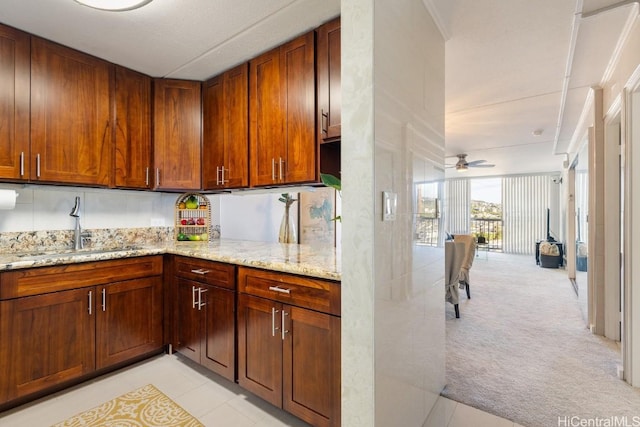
(157, 177)
(90, 304)
(104, 299)
(280, 163)
(22, 163)
(273, 169)
(325, 120)
(283, 330)
(146, 176)
(193, 297)
(201, 271)
(38, 165)
(217, 175)
(223, 180)
(279, 289)
(273, 321)
(200, 303)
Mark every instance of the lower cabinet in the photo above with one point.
(205, 325)
(289, 343)
(128, 320)
(59, 324)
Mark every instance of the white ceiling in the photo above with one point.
(186, 39)
(506, 60)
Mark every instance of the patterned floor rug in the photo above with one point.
(144, 407)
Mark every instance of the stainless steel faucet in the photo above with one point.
(79, 236)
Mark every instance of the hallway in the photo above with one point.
(521, 349)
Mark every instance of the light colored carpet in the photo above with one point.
(144, 407)
(521, 349)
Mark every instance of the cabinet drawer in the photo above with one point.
(41, 280)
(208, 272)
(307, 292)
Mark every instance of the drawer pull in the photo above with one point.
(90, 303)
(201, 271)
(193, 297)
(104, 299)
(279, 289)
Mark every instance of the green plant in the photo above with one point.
(333, 182)
(287, 199)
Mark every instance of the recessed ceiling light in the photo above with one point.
(537, 132)
(114, 5)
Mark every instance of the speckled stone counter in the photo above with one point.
(315, 261)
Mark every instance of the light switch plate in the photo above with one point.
(389, 205)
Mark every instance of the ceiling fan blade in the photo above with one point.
(476, 162)
(481, 166)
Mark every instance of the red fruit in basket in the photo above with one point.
(192, 221)
(200, 221)
(183, 222)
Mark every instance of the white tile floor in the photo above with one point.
(212, 399)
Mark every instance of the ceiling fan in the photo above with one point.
(462, 165)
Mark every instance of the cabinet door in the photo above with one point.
(297, 73)
(226, 130)
(218, 331)
(329, 84)
(266, 112)
(14, 103)
(132, 129)
(213, 141)
(70, 133)
(187, 324)
(177, 131)
(260, 348)
(311, 366)
(128, 320)
(47, 340)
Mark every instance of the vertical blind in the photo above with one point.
(525, 200)
(457, 205)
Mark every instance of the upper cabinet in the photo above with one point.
(225, 133)
(132, 146)
(283, 147)
(70, 132)
(177, 130)
(329, 88)
(329, 97)
(14, 103)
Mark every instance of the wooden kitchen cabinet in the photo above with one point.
(289, 343)
(47, 340)
(60, 324)
(328, 68)
(132, 144)
(329, 83)
(15, 48)
(129, 319)
(205, 321)
(177, 134)
(70, 116)
(225, 133)
(283, 147)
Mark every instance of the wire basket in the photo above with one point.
(192, 218)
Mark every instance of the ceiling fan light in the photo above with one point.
(461, 168)
(114, 5)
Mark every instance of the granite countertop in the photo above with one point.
(314, 261)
